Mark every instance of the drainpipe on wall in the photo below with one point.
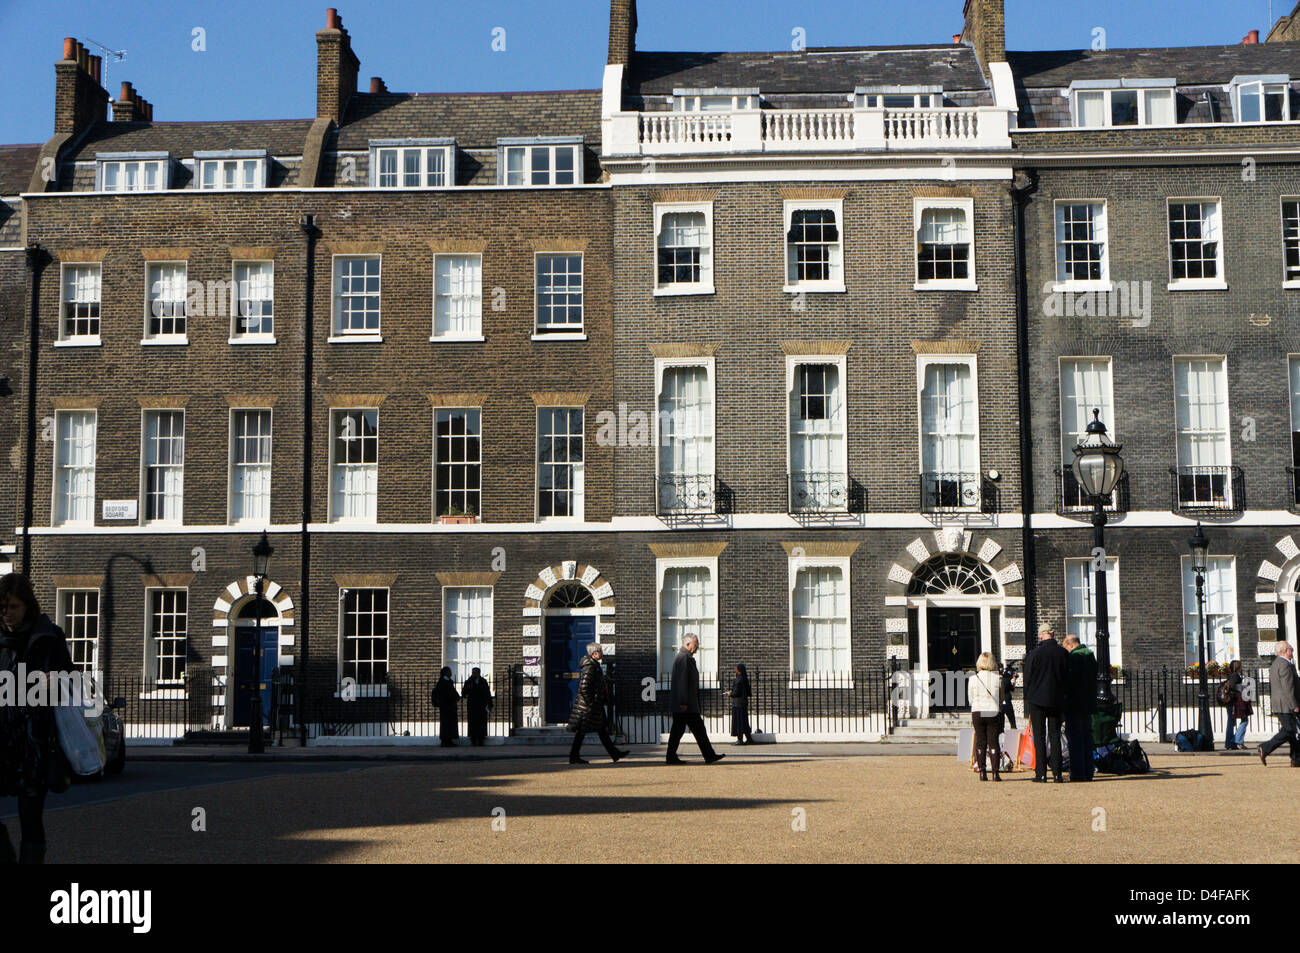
(1023, 185)
(310, 233)
(37, 259)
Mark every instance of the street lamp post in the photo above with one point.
(262, 551)
(1200, 547)
(1098, 467)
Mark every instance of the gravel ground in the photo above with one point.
(884, 808)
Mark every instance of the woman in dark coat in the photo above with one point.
(445, 698)
(740, 694)
(1008, 684)
(478, 702)
(27, 735)
(1239, 710)
(588, 713)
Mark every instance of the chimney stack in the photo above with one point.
(131, 106)
(622, 32)
(1251, 38)
(336, 68)
(79, 100)
(986, 30)
(377, 85)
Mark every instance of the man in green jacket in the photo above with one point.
(1080, 704)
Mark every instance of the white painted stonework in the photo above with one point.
(989, 550)
(547, 575)
(916, 549)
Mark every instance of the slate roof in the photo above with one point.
(280, 137)
(1189, 65)
(474, 120)
(16, 166)
(815, 70)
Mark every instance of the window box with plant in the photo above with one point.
(455, 514)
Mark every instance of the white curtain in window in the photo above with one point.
(944, 226)
(467, 623)
(1159, 108)
(1081, 604)
(1091, 109)
(949, 419)
(76, 468)
(817, 423)
(1085, 387)
(1202, 410)
(821, 623)
(458, 295)
(687, 606)
(686, 423)
(1220, 610)
(1295, 394)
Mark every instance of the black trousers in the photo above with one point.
(987, 728)
(602, 734)
(448, 729)
(1010, 714)
(1285, 735)
(1078, 735)
(1046, 725)
(693, 721)
(31, 824)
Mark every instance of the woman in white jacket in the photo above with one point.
(985, 693)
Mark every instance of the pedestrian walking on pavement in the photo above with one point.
(588, 713)
(1080, 706)
(984, 689)
(1044, 681)
(444, 698)
(1239, 710)
(1286, 703)
(740, 694)
(478, 702)
(30, 757)
(686, 704)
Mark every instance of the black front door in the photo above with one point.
(953, 636)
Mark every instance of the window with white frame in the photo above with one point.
(1195, 242)
(167, 283)
(254, 299)
(559, 462)
(1124, 103)
(684, 249)
(559, 293)
(1294, 366)
(363, 632)
(1081, 603)
(74, 467)
(467, 631)
(1085, 386)
(949, 418)
(819, 614)
(898, 98)
(356, 296)
(142, 174)
(539, 162)
(413, 164)
(715, 100)
(686, 448)
(1291, 242)
(818, 427)
(457, 296)
(1220, 611)
(236, 170)
(1204, 446)
(688, 605)
(1261, 98)
(944, 243)
(354, 483)
(81, 300)
(79, 620)
(814, 247)
(167, 635)
(1081, 245)
(164, 465)
(458, 461)
(250, 466)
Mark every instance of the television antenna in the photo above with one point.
(118, 56)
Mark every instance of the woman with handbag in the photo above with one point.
(740, 694)
(984, 689)
(1239, 710)
(31, 761)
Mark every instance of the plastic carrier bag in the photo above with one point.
(80, 746)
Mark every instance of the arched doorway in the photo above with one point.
(569, 626)
(956, 599)
(254, 624)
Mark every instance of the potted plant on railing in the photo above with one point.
(455, 514)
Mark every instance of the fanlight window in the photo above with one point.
(572, 596)
(952, 575)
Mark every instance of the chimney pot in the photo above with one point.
(377, 85)
(332, 21)
(125, 96)
(956, 38)
(69, 48)
(1252, 37)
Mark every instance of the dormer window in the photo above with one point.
(412, 163)
(539, 161)
(715, 100)
(1261, 98)
(1097, 104)
(231, 170)
(898, 97)
(133, 171)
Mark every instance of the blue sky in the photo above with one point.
(260, 58)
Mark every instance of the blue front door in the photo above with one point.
(567, 638)
(245, 684)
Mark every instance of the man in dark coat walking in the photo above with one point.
(686, 704)
(444, 698)
(1080, 705)
(588, 712)
(1044, 688)
(1286, 703)
(478, 702)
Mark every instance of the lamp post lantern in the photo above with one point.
(1098, 467)
(262, 551)
(1200, 547)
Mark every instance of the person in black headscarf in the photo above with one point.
(444, 699)
(28, 739)
(478, 702)
(740, 694)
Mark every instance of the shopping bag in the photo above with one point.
(80, 747)
(1025, 755)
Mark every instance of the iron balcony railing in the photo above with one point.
(1208, 489)
(1072, 501)
(819, 492)
(690, 494)
(958, 492)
